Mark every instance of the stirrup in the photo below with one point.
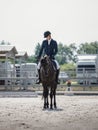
(38, 81)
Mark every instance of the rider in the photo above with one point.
(49, 47)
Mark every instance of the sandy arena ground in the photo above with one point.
(73, 113)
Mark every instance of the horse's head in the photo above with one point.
(47, 70)
(45, 61)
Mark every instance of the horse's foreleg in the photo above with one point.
(51, 97)
(54, 99)
(44, 103)
(47, 102)
(45, 94)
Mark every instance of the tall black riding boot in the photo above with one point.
(57, 76)
(38, 81)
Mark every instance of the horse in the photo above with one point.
(48, 80)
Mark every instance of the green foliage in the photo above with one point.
(66, 53)
(88, 48)
(37, 49)
(32, 59)
(68, 66)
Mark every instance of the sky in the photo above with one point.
(23, 22)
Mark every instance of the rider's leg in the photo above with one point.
(57, 76)
(38, 81)
(57, 72)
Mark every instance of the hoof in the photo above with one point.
(44, 107)
(51, 108)
(47, 106)
(55, 107)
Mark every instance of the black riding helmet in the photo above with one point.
(47, 33)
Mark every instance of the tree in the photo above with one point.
(66, 53)
(37, 49)
(73, 48)
(32, 59)
(88, 48)
(4, 43)
(61, 56)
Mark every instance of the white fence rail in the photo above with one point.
(82, 77)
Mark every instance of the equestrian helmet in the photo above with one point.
(46, 34)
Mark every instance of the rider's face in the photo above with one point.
(48, 37)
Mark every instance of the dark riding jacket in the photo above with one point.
(50, 50)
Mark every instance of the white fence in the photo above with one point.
(22, 75)
(81, 77)
(21, 82)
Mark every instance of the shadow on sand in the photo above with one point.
(54, 110)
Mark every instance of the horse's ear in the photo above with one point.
(42, 61)
(45, 58)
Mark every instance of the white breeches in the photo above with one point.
(57, 64)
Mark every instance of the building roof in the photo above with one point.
(7, 51)
(87, 57)
(7, 48)
(23, 55)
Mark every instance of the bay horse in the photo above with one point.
(48, 79)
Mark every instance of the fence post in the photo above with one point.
(84, 79)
